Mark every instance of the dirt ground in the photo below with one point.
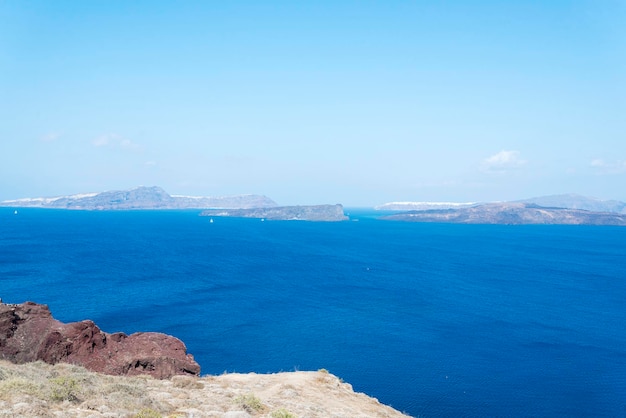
(63, 390)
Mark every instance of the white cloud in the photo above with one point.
(503, 161)
(51, 136)
(128, 144)
(104, 140)
(608, 167)
(115, 141)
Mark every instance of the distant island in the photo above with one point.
(319, 213)
(404, 206)
(565, 209)
(569, 209)
(564, 201)
(141, 198)
(511, 213)
(575, 201)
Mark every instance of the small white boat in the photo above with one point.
(211, 220)
(15, 213)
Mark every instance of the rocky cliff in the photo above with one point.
(94, 374)
(28, 332)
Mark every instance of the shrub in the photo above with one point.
(64, 388)
(323, 376)
(250, 403)
(18, 385)
(282, 413)
(147, 413)
(130, 388)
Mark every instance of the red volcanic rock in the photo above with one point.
(28, 332)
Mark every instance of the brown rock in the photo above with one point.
(28, 332)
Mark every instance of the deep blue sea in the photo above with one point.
(435, 320)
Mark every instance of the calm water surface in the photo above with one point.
(433, 319)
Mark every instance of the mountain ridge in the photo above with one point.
(563, 201)
(141, 197)
(576, 201)
(512, 213)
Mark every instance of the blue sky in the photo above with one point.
(353, 102)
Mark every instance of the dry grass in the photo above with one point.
(63, 390)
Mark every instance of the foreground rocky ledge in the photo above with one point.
(28, 332)
(43, 373)
(63, 390)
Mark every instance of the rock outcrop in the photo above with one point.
(28, 332)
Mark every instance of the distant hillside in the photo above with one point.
(140, 198)
(423, 205)
(574, 201)
(512, 214)
(566, 201)
(325, 213)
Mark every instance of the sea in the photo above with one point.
(435, 320)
